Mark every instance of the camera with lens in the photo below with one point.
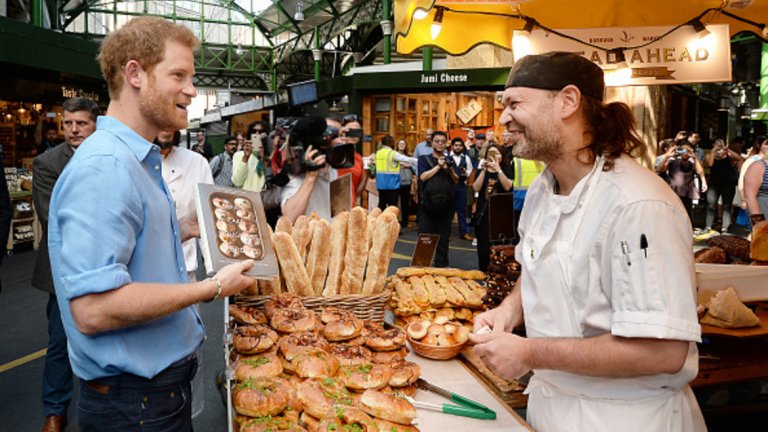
(313, 131)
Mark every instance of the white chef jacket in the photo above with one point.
(183, 169)
(584, 274)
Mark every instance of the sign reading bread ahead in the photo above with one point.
(679, 57)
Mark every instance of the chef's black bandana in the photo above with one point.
(555, 70)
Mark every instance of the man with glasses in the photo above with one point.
(436, 203)
(425, 147)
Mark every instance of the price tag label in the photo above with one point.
(424, 253)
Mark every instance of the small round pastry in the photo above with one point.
(318, 395)
(331, 314)
(229, 249)
(294, 320)
(222, 203)
(294, 344)
(282, 301)
(243, 213)
(250, 239)
(223, 225)
(231, 237)
(346, 327)
(222, 214)
(242, 203)
(404, 373)
(247, 314)
(388, 426)
(388, 407)
(386, 340)
(371, 327)
(417, 330)
(359, 340)
(351, 355)
(261, 397)
(253, 339)
(444, 315)
(315, 363)
(309, 421)
(346, 418)
(247, 226)
(365, 376)
(288, 367)
(387, 357)
(252, 252)
(267, 365)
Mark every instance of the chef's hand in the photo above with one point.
(506, 354)
(232, 278)
(189, 227)
(499, 320)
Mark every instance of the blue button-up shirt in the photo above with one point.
(112, 222)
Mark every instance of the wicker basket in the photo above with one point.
(435, 352)
(370, 307)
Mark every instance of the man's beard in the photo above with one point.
(158, 110)
(539, 141)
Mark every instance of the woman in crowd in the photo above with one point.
(406, 182)
(495, 176)
(681, 166)
(756, 186)
(722, 163)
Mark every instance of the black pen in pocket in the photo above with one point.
(644, 244)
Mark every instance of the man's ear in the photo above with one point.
(569, 101)
(134, 74)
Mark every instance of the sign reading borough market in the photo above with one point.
(683, 56)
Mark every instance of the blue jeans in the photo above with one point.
(460, 203)
(57, 373)
(130, 403)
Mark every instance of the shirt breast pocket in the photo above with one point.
(637, 284)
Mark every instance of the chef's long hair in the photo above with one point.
(613, 131)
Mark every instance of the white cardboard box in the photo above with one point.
(750, 282)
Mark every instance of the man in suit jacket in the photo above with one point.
(79, 122)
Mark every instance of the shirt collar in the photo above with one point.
(135, 143)
(569, 203)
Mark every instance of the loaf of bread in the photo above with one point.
(338, 247)
(759, 246)
(732, 245)
(302, 236)
(283, 225)
(318, 256)
(372, 216)
(291, 265)
(379, 254)
(710, 255)
(357, 252)
(727, 311)
(405, 272)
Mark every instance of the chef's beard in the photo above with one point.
(539, 140)
(159, 110)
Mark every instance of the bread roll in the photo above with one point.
(318, 257)
(380, 254)
(357, 252)
(727, 311)
(302, 236)
(291, 265)
(759, 247)
(338, 247)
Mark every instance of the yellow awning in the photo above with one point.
(461, 31)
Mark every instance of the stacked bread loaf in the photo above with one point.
(503, 272)
(348, 255)
(296, 369)
(436, 294)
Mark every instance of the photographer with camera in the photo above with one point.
(681, 166)
(462, 164)
(312, 153)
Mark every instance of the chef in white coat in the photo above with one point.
(607, 285)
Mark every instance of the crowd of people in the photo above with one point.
(118, 251)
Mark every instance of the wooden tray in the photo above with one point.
(511, 392)
(761, 330)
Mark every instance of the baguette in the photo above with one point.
(372, 216)
(291, 265)
(338, 243)
(436, 293)
(357, 252)
(393, 210)
(302, 236)
(318, 257)
(283, 225)
(379, 254)
(274, 286)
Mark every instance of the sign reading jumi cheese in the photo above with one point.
(679, 57)
(442, 78)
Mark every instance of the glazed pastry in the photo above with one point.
(387, 357)
(388, 407)
(265, 365)
(294, 344)
(318, 395)
(351, 355)
(346, 418)
(388, 426)
(230, 250)
(315, 363)
(386, 340)
(365, 376)
(247, 314)
(222, 203)
(404, 373)
(253, 339)
(282, 301)
(294, 320)
(346, 327)
(261, 397)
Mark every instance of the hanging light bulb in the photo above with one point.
(420, 14)
(299, 15)
(437, 23)
(700, 28)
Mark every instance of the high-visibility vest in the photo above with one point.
(525, 171)
(387, 169)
